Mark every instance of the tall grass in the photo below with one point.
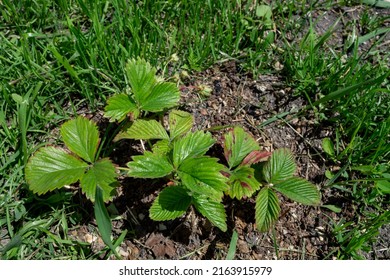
(349, 90)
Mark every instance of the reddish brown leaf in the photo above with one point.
(255, 157)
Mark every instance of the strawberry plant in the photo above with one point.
(241, 151)
(147, 93)
(196, 179)
(52, 168)
(247, 173)
(278, 175)
(177, 153)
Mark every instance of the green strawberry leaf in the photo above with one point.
(238, 144)
(119, 106)
(299, 190)
(281, 166)
(171, 203)
(203, 176)
(242, 182)
(82, 137)
(103, 174)
(142, 78)
(267, 209)
(193, 144)
(163, 95)
(145, 129)
(52, 168)
(179, 123)
(149, 165)
(150, 95)
(214, 211)
(161, 147)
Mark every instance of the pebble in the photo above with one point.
(123, 253)
(141, 216)
(162, 227)
(90, 238)
(294, 215)
(203, 112)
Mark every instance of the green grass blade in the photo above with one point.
(64, 62)
(232, 246)
(373, 34)
(377, 3)
(103, 220)
(341, 92)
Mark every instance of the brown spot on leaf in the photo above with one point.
(255, 157)
(245, 185)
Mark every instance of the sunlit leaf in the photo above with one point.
(103, 174)
(263, 11)
(52, 168)
(383, 186)
(179, 123)
(267, 209)
(238, 144)
(163, 95)
(149, 165)
(242, 183)
(203, 175)
(161, 147)
(193, 144)
(142, 78)
(327, 145)
(146, 129)
(119, 106)
(149, 94)
(214, 211)
(171, 203)
(82, 137)
(299, 190)
(280, 166)
(17, 98)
